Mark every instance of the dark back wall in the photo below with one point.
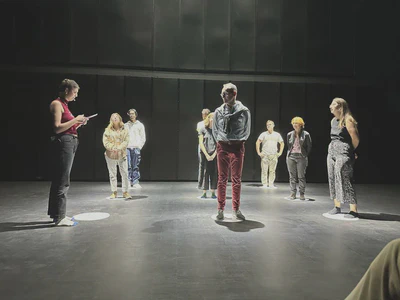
(323, 37)
(331, 46)
(170, 110)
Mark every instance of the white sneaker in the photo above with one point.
(136, 186)
(66, 222)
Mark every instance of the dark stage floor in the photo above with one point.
(163, 244)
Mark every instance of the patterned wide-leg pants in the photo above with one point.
(340, 163)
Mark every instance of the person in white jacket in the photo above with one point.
(137, 139)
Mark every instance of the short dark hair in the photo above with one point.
(134, 110)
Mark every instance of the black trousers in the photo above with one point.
(64, 149)
(210, 174)
(202, 163)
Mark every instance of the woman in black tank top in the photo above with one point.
(341, 157)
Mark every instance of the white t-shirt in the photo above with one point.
(200, 126)
(270, 142)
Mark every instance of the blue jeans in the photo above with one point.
(133, 156)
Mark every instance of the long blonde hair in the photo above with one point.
(345, 113)
(111, 124)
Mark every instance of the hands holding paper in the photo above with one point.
(84, 119)
(91, 116)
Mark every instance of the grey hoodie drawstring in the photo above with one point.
(226, 121)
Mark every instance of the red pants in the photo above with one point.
(230, 156)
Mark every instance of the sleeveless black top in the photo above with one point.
(340, 133)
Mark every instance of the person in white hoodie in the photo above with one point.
(137, 139)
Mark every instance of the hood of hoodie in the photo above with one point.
(236, 110)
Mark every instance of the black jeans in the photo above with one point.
(202, 166)
(64, 148)
(210, 175)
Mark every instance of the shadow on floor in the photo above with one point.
(244, 226)
(379, 217)
(161, 226)
(255, 184)
(137, 198)
(17, 226)
(300, 201)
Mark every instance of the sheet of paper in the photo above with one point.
(92, 116)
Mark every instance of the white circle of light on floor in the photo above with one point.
(227, 219)
(208, 198)
(297, 199)
(94, 216)
(339, 217)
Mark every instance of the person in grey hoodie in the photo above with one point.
(231, 128)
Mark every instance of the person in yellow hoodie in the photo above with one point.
(115, 140)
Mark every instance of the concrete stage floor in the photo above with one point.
(163, 244)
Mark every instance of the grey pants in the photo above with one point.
(112, 171)
(297, 164)
(340, 162)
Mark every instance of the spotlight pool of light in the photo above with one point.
(339, 217)
(94, 216)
